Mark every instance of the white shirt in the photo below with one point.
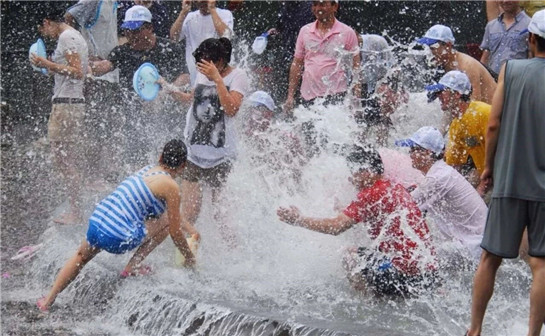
(98, 21)
(70, 41)
(454, 205)
(197, 28)
(209, 134)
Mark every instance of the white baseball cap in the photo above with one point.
(135, 17)
(426, 137)
(437, 33)
(537, 24)
(454, 80)
(262, 98)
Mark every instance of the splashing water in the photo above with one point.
(272, 279)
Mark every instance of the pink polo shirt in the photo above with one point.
(322, 75)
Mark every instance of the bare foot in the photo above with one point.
(41, 305)
(142, 270)
(68, 218)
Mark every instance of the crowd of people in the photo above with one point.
(492, 111)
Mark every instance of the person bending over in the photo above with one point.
(401, 258)
(141, 212)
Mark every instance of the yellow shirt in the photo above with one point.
(466, 136)
(532, 6)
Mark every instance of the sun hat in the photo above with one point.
(426, 137)
(437, 33)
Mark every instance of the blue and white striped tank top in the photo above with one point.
(121, 215)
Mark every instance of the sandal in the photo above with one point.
(27, 252)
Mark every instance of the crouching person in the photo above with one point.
(140, 213)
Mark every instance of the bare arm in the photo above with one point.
(492, 9)
(356, 71)
(170, 192)
(485, 57)
(492, 134)
(229, 100)
(333, 226)
(296, 71)
(476, 82)
(100, 68)
(221, 27)
(177, 25)
(73, 69)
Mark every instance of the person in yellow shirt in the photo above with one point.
(467, 131)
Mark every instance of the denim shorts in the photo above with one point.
(98, 239)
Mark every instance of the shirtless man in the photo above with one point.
(441, 42)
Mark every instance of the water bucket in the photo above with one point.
(260, 43)
(38, 48)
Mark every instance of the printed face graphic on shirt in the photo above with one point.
(210, 128)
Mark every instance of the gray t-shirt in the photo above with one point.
(505, 44)
(519, 166)
(70, 41)
(209, 133)
(98, 22)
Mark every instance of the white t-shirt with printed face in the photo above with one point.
(197, 28)
(453, 205)
(70, 41)
(209, 133)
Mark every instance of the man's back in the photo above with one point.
(482, 81)
(454, 205)
(522, 137)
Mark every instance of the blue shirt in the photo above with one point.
(505, 44)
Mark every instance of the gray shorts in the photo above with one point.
(507, 219)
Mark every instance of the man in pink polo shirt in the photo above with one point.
(324, 50)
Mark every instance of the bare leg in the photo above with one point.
(191, 201)
(523, 251)
(219, 216)
(537, 296)
(66, 163)
(483, 288)
(69, 272)
(157, 232)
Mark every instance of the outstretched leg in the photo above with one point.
(69, 272)
(157, 232)
(537, 296)
(483, 288)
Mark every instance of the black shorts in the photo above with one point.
(385, 279)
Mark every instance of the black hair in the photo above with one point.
(214, 50)
(174, 154)
(367, 157)
(467, 96)
(540, 42)
(52, 13)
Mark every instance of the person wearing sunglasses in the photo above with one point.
(401, 258)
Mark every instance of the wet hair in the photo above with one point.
(366, 157)
(53, 13)
(174, 154)
(214, 50)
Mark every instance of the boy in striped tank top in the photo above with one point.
(141, 212)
